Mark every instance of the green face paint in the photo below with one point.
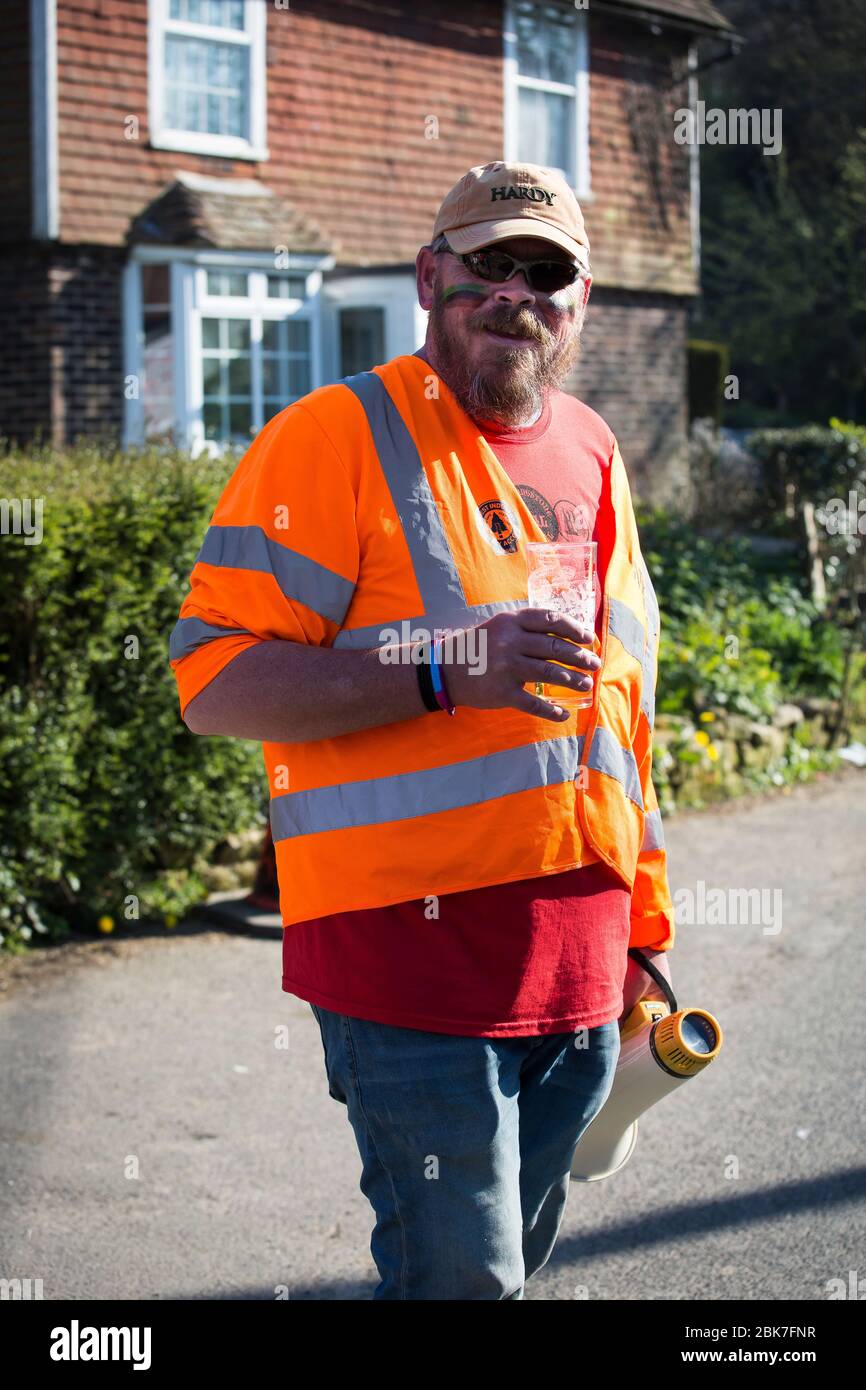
(463, 289)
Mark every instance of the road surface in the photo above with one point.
(156, 1142)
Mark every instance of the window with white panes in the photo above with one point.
(256, 348)
(207, 75)
(215, 346)
(547, 111)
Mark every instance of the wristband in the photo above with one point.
(425, 679)
(439, 689)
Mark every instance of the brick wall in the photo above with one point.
(631, 369)
(61, 330)
(25, 335)
(351, 84)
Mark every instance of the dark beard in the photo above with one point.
(516, 387)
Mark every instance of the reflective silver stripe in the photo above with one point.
(426, 791)
(190, 633)
(652, 601)
(648, 694)
(653, 832)
(628, 628)
(460, 618)
(436, 572)
(299, 577)
(648, 699)
(607, 756)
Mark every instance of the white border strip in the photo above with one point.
(43, 112)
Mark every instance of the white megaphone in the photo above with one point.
(661, 1046)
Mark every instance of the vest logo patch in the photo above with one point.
(499, 522)
(534, 194)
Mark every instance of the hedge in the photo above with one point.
(106, 799)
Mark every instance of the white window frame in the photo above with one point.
(163, 137)
(190, 302)
(405, 321)
(579, 179)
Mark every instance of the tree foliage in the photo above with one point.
(784, 237)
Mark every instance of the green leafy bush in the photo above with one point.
(105, 796)
(736, 633)
(819, 462)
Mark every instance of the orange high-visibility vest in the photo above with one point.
(354, 512)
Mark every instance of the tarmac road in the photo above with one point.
(156, 1142)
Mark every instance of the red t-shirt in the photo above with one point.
(539, 955)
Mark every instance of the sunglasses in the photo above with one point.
(498, 266)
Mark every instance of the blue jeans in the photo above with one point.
(466, 1146)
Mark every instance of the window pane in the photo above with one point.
(227, 13)
(212, 416)
(157, 386)
(273, 336)
(546, 130)
(299, 377)
(287, 287)
(546, 42)
(362, 339)
(192, 115)
(234, 119)
(239, 335)
(273, 374)
(155, 285)
(226, 282)
(206, 85)
(214, 112)
(299, 335)
(240, 419)
(239, 376)
(211, 376)
(210, 333)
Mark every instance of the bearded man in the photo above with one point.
(464, 864)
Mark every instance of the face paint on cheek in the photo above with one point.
(451, 290)
(563, 301)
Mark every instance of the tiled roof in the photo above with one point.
(229, 215)
(701, 14)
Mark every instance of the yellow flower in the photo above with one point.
(702, 738)
(707, 717)
(170, 920)
(106, 924)
(713, 753)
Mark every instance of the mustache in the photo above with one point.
(521, 323)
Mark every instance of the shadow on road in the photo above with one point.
(700, 1218)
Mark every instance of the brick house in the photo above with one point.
(213, 206)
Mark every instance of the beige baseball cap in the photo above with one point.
(499, 200)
